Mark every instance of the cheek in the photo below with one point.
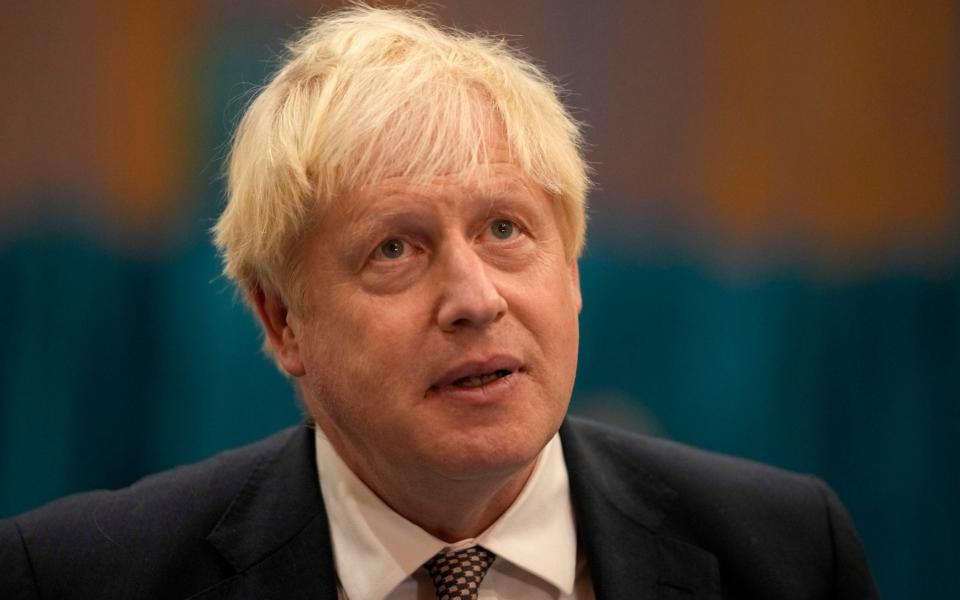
(347, 383)
(548, 298)
(368, 346)
(560, 323)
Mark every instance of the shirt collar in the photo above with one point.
(537, 533)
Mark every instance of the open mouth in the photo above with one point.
(479, 380)
(478, 374)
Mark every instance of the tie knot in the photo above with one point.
(457, 573)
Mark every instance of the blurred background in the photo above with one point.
(773, 266)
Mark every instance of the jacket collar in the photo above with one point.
(621, 510)
(275, 533)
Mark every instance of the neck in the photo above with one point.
(457, 510)
(449, 509)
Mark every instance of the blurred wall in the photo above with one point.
(772, 267)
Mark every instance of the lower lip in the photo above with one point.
(495, 391)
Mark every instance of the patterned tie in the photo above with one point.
(457, 573)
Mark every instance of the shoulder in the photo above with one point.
(698, 492)
(766, 526)
(692, 472)
(163, 519)
(193, 493)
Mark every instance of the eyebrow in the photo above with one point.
(380, 214)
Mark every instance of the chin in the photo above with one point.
(478, 456)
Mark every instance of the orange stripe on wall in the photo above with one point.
(829, 127)
(145, 109)
(101, 107)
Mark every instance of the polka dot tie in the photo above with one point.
(457, 573)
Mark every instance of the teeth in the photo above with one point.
(470, 382)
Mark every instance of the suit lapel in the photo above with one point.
(620, 509)
(275, 533)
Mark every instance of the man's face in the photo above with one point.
(442, 333)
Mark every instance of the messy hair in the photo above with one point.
(369, 93)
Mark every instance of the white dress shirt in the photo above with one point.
(379, 554)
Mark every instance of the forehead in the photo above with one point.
(487, 171)
(488, 181)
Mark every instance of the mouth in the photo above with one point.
(479, 373)
(474, 381)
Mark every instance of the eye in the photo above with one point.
(502, 229)
(392, 249)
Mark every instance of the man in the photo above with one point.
(406, 209)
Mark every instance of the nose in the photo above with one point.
(470, 297)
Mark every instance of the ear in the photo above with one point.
(575, 283)
(283, 330)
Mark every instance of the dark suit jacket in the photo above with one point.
(657, 520)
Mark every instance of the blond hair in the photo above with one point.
(369, 93)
